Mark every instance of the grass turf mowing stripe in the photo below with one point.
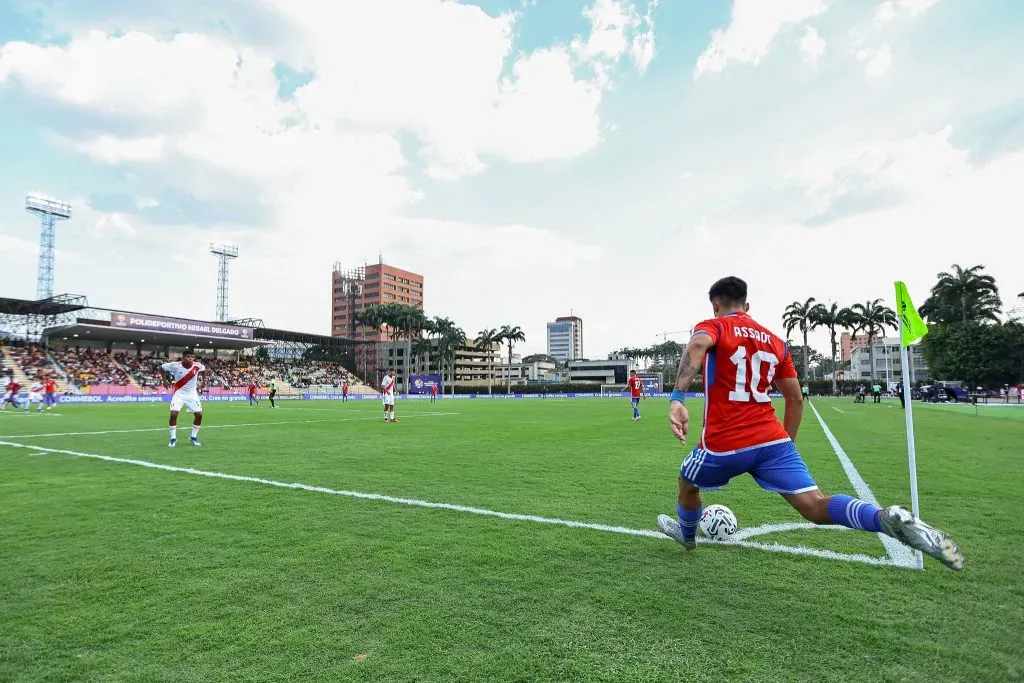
(899, 553)
(228, 426)
(647, 533)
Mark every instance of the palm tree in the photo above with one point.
(485, 339)
(410, 320)
(871, 318)
(451, 340)
(963, 295)
(832, 318)
(797, 316)
(442, 329)
(422, 348)
(511, 334)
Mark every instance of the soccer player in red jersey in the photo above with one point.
(636, 391)
(252, 394)
(50, 393)
(741, 434)
(344, 392)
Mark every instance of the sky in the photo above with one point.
(531, 158)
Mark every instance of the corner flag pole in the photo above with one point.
(911, 450)
(911, 329)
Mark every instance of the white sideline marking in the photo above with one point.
(741, 540)
(838, 411)
(246, 424)
(898, 553)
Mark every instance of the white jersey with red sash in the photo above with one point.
(185, 392)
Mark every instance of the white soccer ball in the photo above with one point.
(718, 523)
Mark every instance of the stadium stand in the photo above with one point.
(91, 370)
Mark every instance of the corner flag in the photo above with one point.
(912, 327)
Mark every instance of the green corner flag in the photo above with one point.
(912, 327)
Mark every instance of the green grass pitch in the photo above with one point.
(116, 571)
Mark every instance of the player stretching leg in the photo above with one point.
(387, 389)
(740, 361)
(636, 391)
(185, 394)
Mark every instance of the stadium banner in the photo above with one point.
(156, 323)
(421, 384)
(652, 382)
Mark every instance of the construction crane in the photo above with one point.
(664, 335)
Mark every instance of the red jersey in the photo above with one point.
(433, 388)
(344, 389)
(738, 373)
(252, 389)
(636, 386)
(13, 387)
(50, 387)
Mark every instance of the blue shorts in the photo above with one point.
(775, 467)
(635, 401)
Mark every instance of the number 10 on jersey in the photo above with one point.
(749, 375)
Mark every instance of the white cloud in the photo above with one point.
(118, 151)
(812, 46)
(915, 7)
(752, 29)
(907, 170)
(885, 12)
(114, 226)
(446, 73)
(617, 28)
(876, 61)
(890, 9)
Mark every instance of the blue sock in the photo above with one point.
(636, 411)
(854, 514)
(688, 520)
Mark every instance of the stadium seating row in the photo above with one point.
(96, 371)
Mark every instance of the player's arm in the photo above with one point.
(791, 391)
(689, 365)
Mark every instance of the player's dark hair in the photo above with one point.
(391, 369)
(729, 290)
(188, 352)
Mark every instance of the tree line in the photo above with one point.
(430, 339)
(968, 338)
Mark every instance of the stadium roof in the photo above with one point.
(43, 307)
(267, 334)
(95, 331)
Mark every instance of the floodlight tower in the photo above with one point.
(224, 253)
(49, 212)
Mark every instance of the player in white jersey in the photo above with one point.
(387, 389)
(187, 376)
(35, 395)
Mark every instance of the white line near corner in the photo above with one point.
(741, 540)
(898, 553)
(205, 427)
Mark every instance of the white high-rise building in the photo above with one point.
(565, 339)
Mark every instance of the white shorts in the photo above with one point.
(189, 400)
(389, 400)
(35, 398)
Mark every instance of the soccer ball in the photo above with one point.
(718, 522)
